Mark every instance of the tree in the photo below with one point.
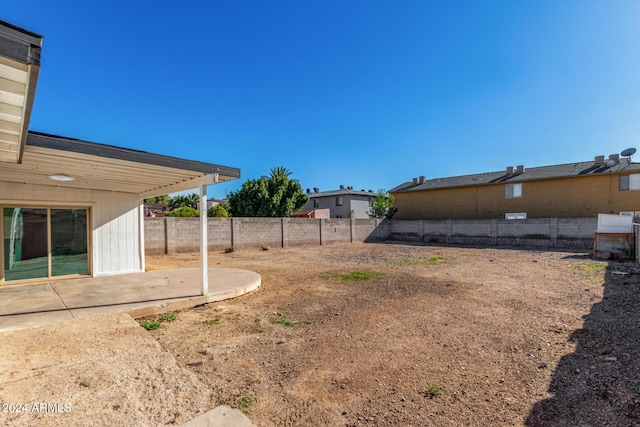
(280, 171)
(273, 196)
(184, 211)
(217, 211)
(382, 206)
(178, 201)
(158, 199)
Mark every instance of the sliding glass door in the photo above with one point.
(44, 242)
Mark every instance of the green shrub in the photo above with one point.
(168, 318)
(150, 326)
(184, 211)
(217, 211)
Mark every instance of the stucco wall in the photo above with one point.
(585, 196)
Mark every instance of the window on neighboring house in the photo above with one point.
(630, 182)
(316, 203)
(514, 191)
(517, 215)
(338, 201)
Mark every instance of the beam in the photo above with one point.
(182, 186)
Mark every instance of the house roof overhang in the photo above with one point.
(19, 71)
(96, 166)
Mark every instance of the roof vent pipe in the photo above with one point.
(599, 160)
(415, 181)
(421, 179)
(342, 187)
(614, 157)
(520, 169)
(509, 170)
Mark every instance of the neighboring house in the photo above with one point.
(343, 203)
(582, 189)
(155, 209)
(314, 213)
(70, 207)
(213, 202)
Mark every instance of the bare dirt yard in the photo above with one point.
(415, 335)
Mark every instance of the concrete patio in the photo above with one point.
(139, 294)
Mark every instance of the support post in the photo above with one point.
(204, 240)
(141, 251)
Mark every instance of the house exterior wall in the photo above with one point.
(114, 221)
(584, 196)
(360, 206)
(358, 203)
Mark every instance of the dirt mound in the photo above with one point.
(105, 370)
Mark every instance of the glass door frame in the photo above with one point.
(49, 207)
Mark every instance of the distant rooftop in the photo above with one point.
(598, 166)
(315, 192)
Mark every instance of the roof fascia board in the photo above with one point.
(182, 186)
(610, 173)
(34, 72)
(20, 44)
(119, 153)
(25, 47)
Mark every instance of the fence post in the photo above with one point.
(320, 220)
(553, 231)
(233, 233)
(170, 235)
(284, 224)
(351, 229)
(494, 232)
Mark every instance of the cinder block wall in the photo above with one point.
(251, 232)
(302, 232)
(172, 235)
(576, 233)
(336, 230)
(154, 236)
(219, 233)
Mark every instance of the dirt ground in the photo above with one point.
(414, 335)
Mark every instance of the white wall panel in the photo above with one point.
(116, 232)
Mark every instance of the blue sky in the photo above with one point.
(362, 93)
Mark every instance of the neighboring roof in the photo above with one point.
(110, 168)
(312, 213)
(303, 212)
(19, 71)
(567, 170)
(341, 192)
